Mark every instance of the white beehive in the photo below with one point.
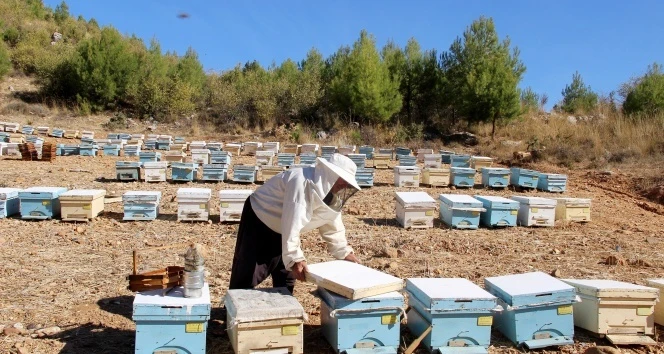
(264, 321)
(436, 177)
(421, 154)
(81, 204)
(232, 202)
(155, 171)
(194, 204)
(573, 209)
(659, 307)
(432, 160)
(415, 210)
(43, 130)
(406, 176)
(200, 156)
(264, 158)
(87, 134)
(535, 211)
(624, 312)
(197, 145)
(12, 127)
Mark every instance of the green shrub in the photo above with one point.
(5, 63)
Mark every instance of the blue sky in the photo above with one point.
(607, 41)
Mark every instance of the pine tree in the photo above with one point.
(577, 97)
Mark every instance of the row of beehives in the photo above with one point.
(416, 210)
(363, 313)
(41, 203)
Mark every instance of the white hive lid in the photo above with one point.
(450, 288)
(481, 158)
(495, 199)
(415, 198)
(569, 200)
(352, 280)
(406, 169)
(656, 282)
(200, 151)
(142, 194)
(44, 190)
(155, 164)
(251, 305)
(528, 284)
(235, 193)
(606, 287)
(534, 201)
(83, 194)
(194, 193)
(459, 198)
(174, 298)
(9, 192)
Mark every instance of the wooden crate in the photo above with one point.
(573, 209)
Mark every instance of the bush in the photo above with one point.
(5, 63)
(118, 121)
(647, 94)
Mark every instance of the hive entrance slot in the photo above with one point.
(545, 294)
(171, 307)
(463, 300)
(369, 301)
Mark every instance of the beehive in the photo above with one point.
(401, 151)
(552, 182)
(292, 149)
(459, 313)
(177, 140)
(200, 156)
(111, 150)
(197, 145)
(271, 146)
(40, 202)
(499, 211)
(124, 136)
(326, 151)
(345, 323)
(415, 210)
(436, 177)
(132, 150)
(573, 209)
(214, 146)
(536, 211)
(460, 161)
(524, 178)
(659, 307)
(3, 148)
(57, 132)
(406, 176)
(446, 156)
(69, 150)
(233, 148)
(432, 160)
(347, 149)
(232, 202)
(367, 150)
(141, 205)
(309, 148)
(264, 321)
(495, 177)
(623, 312)
(149, 156)
(12, 127)
(150, 144)
(215, 172)
(462, 177)
(81, 204)
(460, 211)
(538, 309)
(43, 130)
(307, 158)
(267, 172)
(220, 157)
(381, 161)
(27, 129)
(164, 142)
(421, 154)
(365, 177)
(184, 171)
(285, 160)
(128, 170)
(407, 160)
(264, 158)
(174, 156)
(194, 204)
(244, 173)
(9, 202)
(70, 134)
(171, 324)
(155, 171)
(358, 159)
(251, 147)
(480, 162)
(386, 151)
(88, 149)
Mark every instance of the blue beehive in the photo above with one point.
(112, 136)
(371, 323)
(552, 182)
(27, 129)
(87, 149)
(495, 177)
(244, 173)
(141, 205)
(463, 177)
(128, 170)
(459, 312)
(407, 160)
(460, 211)
(132, 149)
(214, 172)
(220, 157)
(149, 156)
(307, 158)
(460, 161)
(538, 309)
(111, 150)
(358, 159)
(124, 136)
(327, 151)
(285, 159)
(4, 137)
(70, 150)
(524, 178)
(87, 140)
(445, 156)
(9, 202)
(401, 151)
(40, 202)
(57, 133)
(367, 151)
(171, 324)
(365, 177)
(499, 211)
(163, 145)
(183, 171)
(150, 144)
(179, 140)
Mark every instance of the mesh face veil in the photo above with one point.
(339, 194)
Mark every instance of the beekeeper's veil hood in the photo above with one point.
(334, 180)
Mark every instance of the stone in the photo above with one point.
(18, 325)
(321, 135)
(393, 265)
(390, 252)
(33, 326)
(11, 331)
(556, 273)
(555, 251)
(50, 331)
(80, 229)
(615, 260)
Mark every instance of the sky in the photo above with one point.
(606, 41)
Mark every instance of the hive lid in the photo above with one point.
(458, 199)
(83, 194)
(173, 298)
(658, 283)
(498, 200)
(496, 169)
(553, 175)
(462, 170)
(57, 190)
(352, 280)
(155, 164)
(415, 199)
(406, 169)
(200, 151)
(530, 288)
(611, 288)
(336, 301)
(142, 195)
(7, 193)
(535, 201)
(481, 158)
(194, 193)
(447, 289)
(571, 201)
(251, 305)
(235, 193)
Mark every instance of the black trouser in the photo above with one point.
(258, 254)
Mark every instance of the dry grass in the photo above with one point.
(20, 107)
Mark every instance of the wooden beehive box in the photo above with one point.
(659, 307)
(81, 204)
(406, 176)
(623, 312)
(536, 211)
(232, 202)
(415, 210)
(573, 209)
(436, 177)
(264, 321)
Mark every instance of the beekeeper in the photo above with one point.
(290, 203)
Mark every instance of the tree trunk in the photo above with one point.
(493, 128)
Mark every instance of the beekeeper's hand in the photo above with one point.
(300, 270)
(351, 258)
